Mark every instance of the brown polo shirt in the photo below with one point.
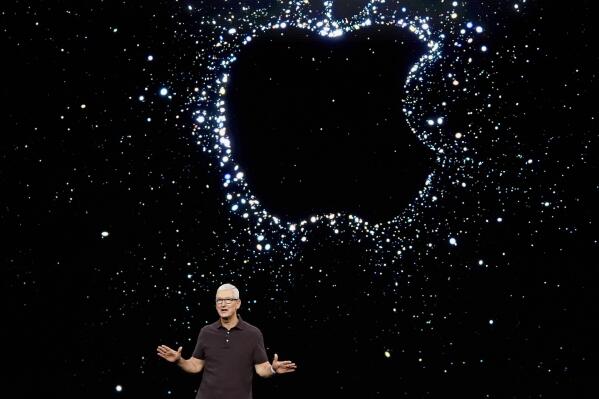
(229, 358)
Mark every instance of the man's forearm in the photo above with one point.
(189, 366)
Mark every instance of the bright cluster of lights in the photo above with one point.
(442, 69)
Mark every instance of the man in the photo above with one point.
(225, 351)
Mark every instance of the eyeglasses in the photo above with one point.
(226, 301)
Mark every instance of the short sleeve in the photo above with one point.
(259, 355)
(199, 352)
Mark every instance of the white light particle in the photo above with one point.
(491, 322)
(267, 247)
(232, 31)
(141, 98)
(481, 262)
(150, 58)
(499, 220)
(483, 48)
(118, 388)
(458, 135)
(200, 119)
(387, 354)
(479, 29)
(163, 91)
(453, 241)
(105, 234)
(83, 106)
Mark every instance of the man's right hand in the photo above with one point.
(169, 354)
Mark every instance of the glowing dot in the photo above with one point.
(235, 207)
(546, 203)
(454, 15)
(260, 237)
(516, 6)
(430, 122)
(118, 388)
(529, 161)
(499, 220)
(479, 29)
(439, 121)
(458, 135)
(150, 58)
(491, 322)
(292, 227)
(163, 91)
(267, 247)
(232, 31)
(313, 219)
(239, 175)
(481, 262)
(141, 98)
(83, 106)
(469, 25)
(453, 241)
(259, 247)
(387, 354)
(200, 119)
(483, 48)
(455, 82)
(105, 234)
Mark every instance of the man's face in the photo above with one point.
(226, 304)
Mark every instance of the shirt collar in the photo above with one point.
(239, 326)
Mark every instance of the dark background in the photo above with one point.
(83, 313)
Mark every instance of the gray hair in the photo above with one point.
(229, 287)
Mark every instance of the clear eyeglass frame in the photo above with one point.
(226, 301)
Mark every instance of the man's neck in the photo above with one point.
(229, 322)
